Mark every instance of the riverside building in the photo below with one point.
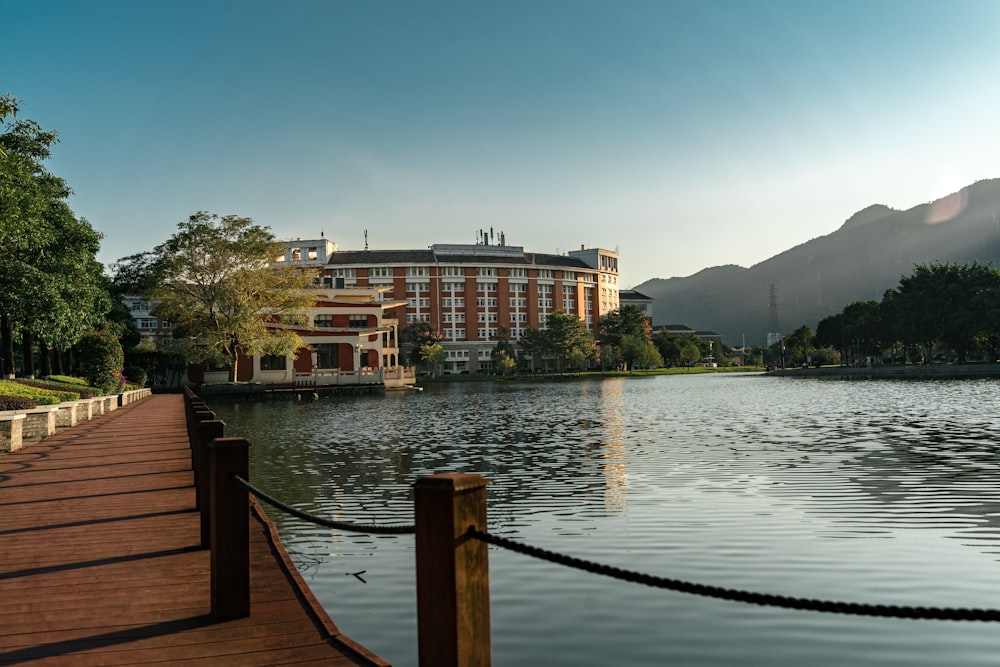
(469, 292)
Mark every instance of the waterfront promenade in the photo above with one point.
(100, 562)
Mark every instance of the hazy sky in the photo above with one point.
(686, 134)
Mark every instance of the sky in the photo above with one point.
(684, 134)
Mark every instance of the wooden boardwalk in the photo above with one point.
(100, 561)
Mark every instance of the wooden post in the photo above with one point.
(200, 415)
(229, 530)
(453, 587)
(207, 431)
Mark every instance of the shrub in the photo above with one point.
(135, 375)
(67, 379)
(40, 396)
(83, 390)
(101, 360)
(16, 403)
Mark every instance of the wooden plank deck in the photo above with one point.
(100, 562)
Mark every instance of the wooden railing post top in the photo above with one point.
(229, 442)
(453, 482)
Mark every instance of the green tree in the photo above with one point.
(432, 357)
(689, 352)
(831, 332)
(799, 345)
(684, 349)
(215, 281)
(945, 302)
(54, 290)
(638, 351)
(503, 357)
(569, 340)
(629, 320)
(536, 345)
(101, 361)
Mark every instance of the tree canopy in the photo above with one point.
(54, 290)
(564, 339)
(216, 282)
(948, 304)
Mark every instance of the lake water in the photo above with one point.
(883, 492)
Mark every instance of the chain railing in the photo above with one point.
(451, 549)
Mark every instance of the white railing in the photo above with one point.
(333, 376)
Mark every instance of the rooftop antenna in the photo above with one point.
(366, 239)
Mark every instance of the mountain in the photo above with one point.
(868, 255)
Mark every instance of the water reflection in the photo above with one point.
(867, 491)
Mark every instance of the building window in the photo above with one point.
(417, 272)
(452, 271)
(517, 273)
(273, 362)
(453, 287)
(569, 304)
(486, 272)
(486, 287)
(418, 287)
(545, 273)
(350, 276)
(357, 321)
(486, 302)
(323, 321)
(325, 355)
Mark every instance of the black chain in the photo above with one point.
(891, 611)
(732, 594)
(320, 521)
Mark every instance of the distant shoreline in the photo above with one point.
(929, 372)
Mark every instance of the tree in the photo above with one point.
(216, 283)
(685, 349)
(504, 358)
(54, 290)
(639, 351)
(689, 353)
(568, 339)
(414, 336)
(629, 320)
(432, 357)
(945, 302)
(102, 361)
(800, 344)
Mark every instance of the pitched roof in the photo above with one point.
(632, 295)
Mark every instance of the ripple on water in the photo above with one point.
(860, 491)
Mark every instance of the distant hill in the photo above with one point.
(859, 261)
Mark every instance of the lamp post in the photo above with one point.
(315, 360)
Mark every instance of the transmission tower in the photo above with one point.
(773, 333)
